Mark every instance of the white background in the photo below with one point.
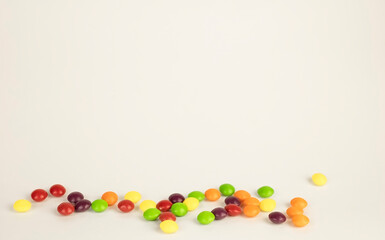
(174, 96)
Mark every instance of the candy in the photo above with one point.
(191, 203)
(151, 214)
(212, 194)
(110, 197)
(65, 208)
(292, 211)
(176, 198)
(277, 217)
(232, 200)
(250, 201)
(319, 179)
(133, 196)
(99, 205)
(164, 205)
(146, 204)
(75, 197)
(267, 205)
(197, 194)
(233, 210)
(242, 195)
(82, 206)
(251, 211)
(169, 226)
(22, 205)
(167, 216)
(39, 195)
(219, 213)
(298, 202)
(126, 206)
(205, 217)
(57, 190)
(265, 191)
(227, 189)
(179, 209)
(300, 220)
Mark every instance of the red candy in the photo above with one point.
(167, 216)
(164, 205)
(57, 190)
(126, 206)
(39, 195)
(233, 210)
(65, 208)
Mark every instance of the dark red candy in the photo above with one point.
(164, 205)
(232, 200)
(167, 216)
(57, 190)
(176, 197)
(83, 205)
(75, 197)
(277, 217)
(219, 213)
(126, 206)
(65, 208)
(233, 210)
(39, 195)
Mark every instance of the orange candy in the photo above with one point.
(250, 201)
(110, 197)
(300, 220)
(292, 211)
(212, 194)
(242, 195)
(251, 210)
(298, 202)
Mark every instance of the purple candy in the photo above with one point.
(277, 217)
(176, 197)
(75, 197)
(219, 213)
(232, 200)
(82, 205)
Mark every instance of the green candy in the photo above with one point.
(265, 191)
(227, 189)
(151, 214)
(99, 205)
(198, 195)
(206, 217)
(179, 209)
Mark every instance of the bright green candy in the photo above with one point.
(198, 195)
(151, 214)
(179, 209)
(206, 217)
(227, 189)
(265, 191)
(99, 205)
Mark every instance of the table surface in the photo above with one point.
(175, 96)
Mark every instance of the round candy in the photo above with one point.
(133, 196)
(300, 220)
(110, 197)
(176, 198)
(164, 205)
(227, 189)
(151, 214)
(277, 217)
(265, 191)
(292, 211)
(65, 208)
(191, 203)
(219, 213)
(57, 190)
(251, 210)
(267, 205)
(242, 195)
(197, 194)
(298, 202)
(146, 204)
(22, 205)
(179, 209)
(75, 197)
(250, 201)
(126, 206)
(167, 216)
(319, 179)
(99, 205)
(233, 210)
(39, 195)
(169, 226)
(232, 200)
(205, 217)
(82, 206)
(212, 194)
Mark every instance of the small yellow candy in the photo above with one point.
(146, 204)
(169, 226)
(133, 196)
(192, 203)
(319, 179)
(22, 205)
(267, 205)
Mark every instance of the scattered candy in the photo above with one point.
(300, 220)
(197, 194)
(251, 210)
(126, 206)
(83, 205)
(146, 204)
(233, 210)
(227, 189)
(99, 205)
(75, 197)
(242, 195)
(167, 216)
(169, 226)
(22, 205)
(298, 202)
(205, 217)
(277, 217)
(39, 195)
(176, 198)
(219, 213)
(267, 205)
(57, 190)
(212, 194)
(292, 211)
(65, 208)
(164, 205)
(110, 197)
(179, 209)
(191, 203)
(250, 201)
(265, 191)
(319, 179)
(232, 200)
(133, 196)
(151, 214)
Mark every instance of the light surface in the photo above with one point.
(175, 96)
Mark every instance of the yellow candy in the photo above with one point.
(22, 205)
(146, 204)
(267, 205)
(169, 226)
(192, 203)
(319, 179)
(133, 196)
